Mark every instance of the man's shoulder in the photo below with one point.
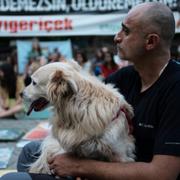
(174, 65)
(173, 71)
(121, 74)
(169, 82)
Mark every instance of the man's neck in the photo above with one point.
(150, 71)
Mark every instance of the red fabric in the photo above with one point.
(107, 71)
(129, 120)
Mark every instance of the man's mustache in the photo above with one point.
(119, 48)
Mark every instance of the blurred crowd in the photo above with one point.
(102, 64)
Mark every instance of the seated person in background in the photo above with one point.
(10, 87)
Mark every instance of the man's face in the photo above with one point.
(130, 39)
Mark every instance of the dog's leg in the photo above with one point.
(50, 147)
(116, 144)
(118, 137)
(95, 149)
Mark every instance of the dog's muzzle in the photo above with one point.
(38, 105)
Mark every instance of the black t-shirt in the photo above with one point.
(157, 110)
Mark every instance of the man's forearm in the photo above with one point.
(123, 171)
(161, 168)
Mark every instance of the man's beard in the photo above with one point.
(120, 54)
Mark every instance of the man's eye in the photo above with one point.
(126, 31)
(34, 83)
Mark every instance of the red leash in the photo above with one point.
(127, 117)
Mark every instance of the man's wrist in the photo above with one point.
(84, 168)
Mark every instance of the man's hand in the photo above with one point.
(65, 165)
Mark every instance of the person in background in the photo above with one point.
(108, 66)
(82, 60)
(10, 87)
(12, 59)
(55, 56)
(36, 51)
(151, 85)
(34, 58)
(97, 62)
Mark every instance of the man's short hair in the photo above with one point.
(161, 18)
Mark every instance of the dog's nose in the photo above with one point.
(21, 94)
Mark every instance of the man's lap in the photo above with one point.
(27, 176)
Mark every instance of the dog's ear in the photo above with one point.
(74, 64)
(61, 85)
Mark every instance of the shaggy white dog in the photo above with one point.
(90, 118)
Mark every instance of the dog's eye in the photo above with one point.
(27, 81)
(34, 83)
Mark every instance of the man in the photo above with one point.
(152, 86)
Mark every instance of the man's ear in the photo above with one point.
(152, 41)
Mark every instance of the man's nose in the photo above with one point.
(118, 38)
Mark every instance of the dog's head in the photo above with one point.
(61, 85)
(35, 95)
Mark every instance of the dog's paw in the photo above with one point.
(41, 168)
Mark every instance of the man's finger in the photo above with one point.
(50, 160)
(51, 166)
(78, 178)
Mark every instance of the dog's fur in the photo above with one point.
(88, 120)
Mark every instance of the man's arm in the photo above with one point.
(162, 167)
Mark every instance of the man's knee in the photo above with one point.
(16, 176)
(32, 148)
(28, 155)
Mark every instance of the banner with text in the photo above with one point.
(56, 25)
(34, 7)
(70, 25)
